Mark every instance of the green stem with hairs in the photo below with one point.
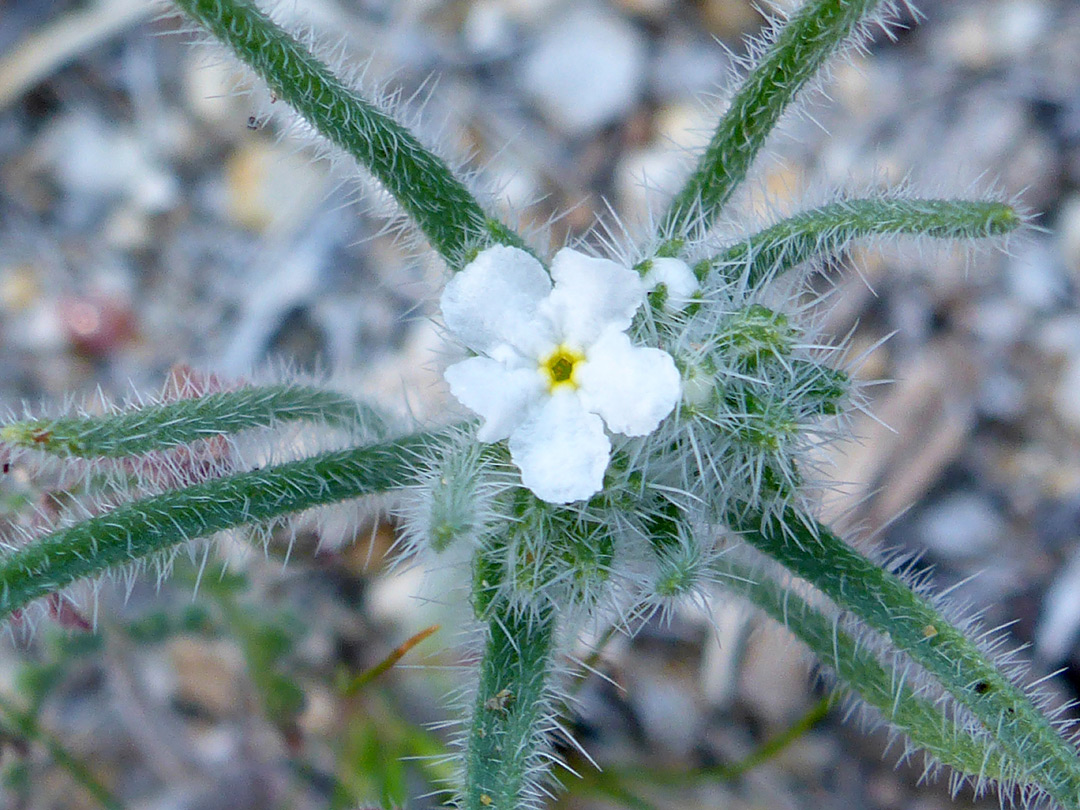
(830, 228)
(422, 183)
(511, 706)
(172, 424)
(135, 531)
(915, 627)
(812, 34)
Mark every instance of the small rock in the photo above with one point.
(730, 19)
(268, 183)
(1067, 394)
(687, 66)
(586, 71)
(210, 675)
(996, 321)
(1068, 228)
(1059, 622)
(1035, 276)
(487, 30)
(94, 158)
(1002, 397)
(653, 9)
(95, 325)
(962, 525)
(210, 90)
(774, 681)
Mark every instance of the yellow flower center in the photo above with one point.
(558, 368)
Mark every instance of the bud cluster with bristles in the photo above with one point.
(760, 389)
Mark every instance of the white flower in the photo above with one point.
(555, 363)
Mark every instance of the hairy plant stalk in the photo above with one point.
(172, 424)
(802, 46)
(512, 709)
(830, 228)
(883, 686)
(422, 183)
(135, 531)
(914, 626)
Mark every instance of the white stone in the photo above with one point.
(1069, 234)
(586, 71)
(96, 158)
(963, 525)
(686, 67)
(1036, 276)
(1059, 622)
(487, 30)
(1067, 394)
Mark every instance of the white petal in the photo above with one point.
(590, 296)
(503, 396)
(676, 275)
(632, 387)
(561, 450)
(494, 300)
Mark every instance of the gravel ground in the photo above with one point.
(150, 215)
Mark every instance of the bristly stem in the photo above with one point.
(512, 709)
(802, 46)
(422, 183)
(135, 531)
(172, 424)
(829, 228)
(918, 629)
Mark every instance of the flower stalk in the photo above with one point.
(512, 710)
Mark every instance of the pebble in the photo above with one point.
(663, 690)
(961, 526)
(269, 183)
(586, 71)
(487, 30)
(686, 66)
(1059, 620)
(209, 89)
(1067, 393)
(1003, 396)
(997, 31)
(94, 159)
(652, 9)
(729, 19)
(1035, 275)
(1068, 227)
(773, 682)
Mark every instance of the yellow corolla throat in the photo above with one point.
(560, 368)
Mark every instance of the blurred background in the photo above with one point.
(150, 215)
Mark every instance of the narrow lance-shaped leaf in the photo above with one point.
(829, 228)
(425, 187)
(802, 46)
(913, 625)
(978, 755)
(172, 424)
(134, 531)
